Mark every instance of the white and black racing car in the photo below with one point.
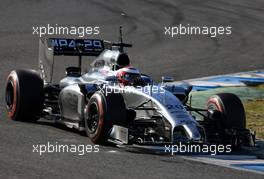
(114, 102)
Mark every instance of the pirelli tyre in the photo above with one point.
(24, 95)
(101, 113)
(232, 113)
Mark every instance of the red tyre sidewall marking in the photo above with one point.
(215, 101)
(13, 77)
(101, 118)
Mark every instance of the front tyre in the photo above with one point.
(24, 95)
(102, 112)
(231, 109)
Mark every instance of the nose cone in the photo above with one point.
(188, 133)
(193, 132)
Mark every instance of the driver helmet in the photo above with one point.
(128, 76)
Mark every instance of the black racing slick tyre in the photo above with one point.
(231, 109)
(101, 113)
(24, 95)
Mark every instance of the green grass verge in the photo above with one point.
(255, 114)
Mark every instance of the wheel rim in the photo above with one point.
(93, 118)
(213, 107)
(10, 95)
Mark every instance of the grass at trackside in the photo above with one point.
(252, 98)
(255, 116)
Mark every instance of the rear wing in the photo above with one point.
(50, 47)
(75, 47)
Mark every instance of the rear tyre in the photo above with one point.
(102, 112)
(24, 95)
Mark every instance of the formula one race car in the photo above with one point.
(114, 102)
